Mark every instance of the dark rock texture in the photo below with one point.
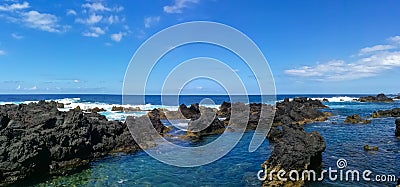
(203, 121)
(386, 113)
(192, 112)
(378, 98)
(224, 110)
(145, 138)
(355, 119)
(207, 124)
(125, 109)
(294, 149)
(96, 109)
(398, 127)
(37, 140)
(299, 110)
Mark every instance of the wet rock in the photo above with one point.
(355, 119)
(224, 110)
(325, 100)
(155, 117)
(294, 149)
(60, 105)
(253, 110)
(37, 140)
(144, 126)
(117, 108)
(207, 124)
(4, 121)
(370, 148)
(378, 98)
(192, 112)
(386, 113)
(96, 109)
(299, 110)
(125, 109)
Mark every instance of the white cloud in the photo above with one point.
(178, 6)
(395, 39)
(41, 21)
(76, 81)
(94, 32)
(99, 7)
(17, 36)
(113, 19)
(119, 8)
(96, 7)
(92, 19)
(32, 19)
(378, 60)
(71, 12)
(2, 52)
(367, 50)
(15, 6)
(117, 37)
(150, 21)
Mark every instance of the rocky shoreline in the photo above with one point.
(293, 148)
(378, 98)
(39, 141)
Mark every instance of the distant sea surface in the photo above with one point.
(238, 167)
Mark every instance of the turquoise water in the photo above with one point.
(239, 167)
(346, 142)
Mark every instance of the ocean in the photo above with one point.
(239, 167)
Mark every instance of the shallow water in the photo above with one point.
(237, 168)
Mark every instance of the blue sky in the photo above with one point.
(312, 46)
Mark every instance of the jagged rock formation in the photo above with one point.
(356, 119)
(293, 149)
(37, 140)
(386, 113)
(378, 98)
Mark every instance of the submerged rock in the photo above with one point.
(37, 140)
(356, 119)
(386, 113)
(378, 98)
(370, 148)
(397, 127)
